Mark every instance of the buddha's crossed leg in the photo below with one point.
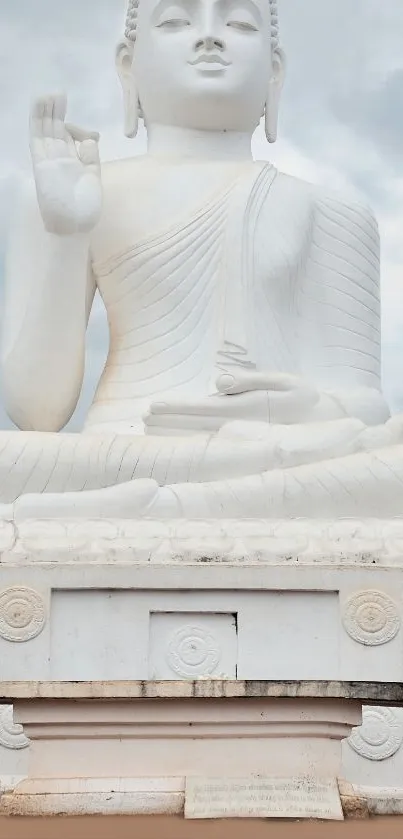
(141, 477)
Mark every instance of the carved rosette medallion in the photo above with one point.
(22, 614)
(380, 736)
(11, 733)
(193, 652)
(371, 618)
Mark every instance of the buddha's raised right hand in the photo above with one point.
(66, 169)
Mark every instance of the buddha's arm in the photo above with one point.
(339, 304)
(48, 297)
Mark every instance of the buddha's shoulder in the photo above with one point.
(314, 201)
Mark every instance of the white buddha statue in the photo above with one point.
(243, 374)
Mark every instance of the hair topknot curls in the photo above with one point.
(131, 22)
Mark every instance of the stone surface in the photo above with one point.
(355, 804)
(371, 618)
(244, 370)
(192, 646)
(241, 397)
(78, 747)
(361, 543)
(100, 796)
(22, 614)
(379, 737)
(372, 788)
(361, 801)
(14, 746)
(387, 693)
(373, 754)
(257, 618)
(220, 798)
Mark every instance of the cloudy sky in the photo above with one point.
(341, 125)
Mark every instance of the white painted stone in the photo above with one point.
(373, 754)
(22, 614)
(357, 543)
(220, 798)
(14, 747)
(289, 634)
(244, 371)
(371, 618)
(379, 737)
(102, 617)
(11, 733)
(191, 645)
(238, 464)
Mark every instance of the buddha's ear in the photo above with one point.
(124, 62)
(276, 83)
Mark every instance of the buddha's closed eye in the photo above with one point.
(242, 25)
(173, 23)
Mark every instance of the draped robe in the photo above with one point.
(269, 274)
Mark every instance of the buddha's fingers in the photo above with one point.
(217, 407)
(36, 118)
(48, 117)
(59, 130)
(60, 106)
(80, 135)
(243, 382)
(49, 138)
(176, 424)
(88, 152)
(37, 146)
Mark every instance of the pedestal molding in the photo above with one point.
(342, 542)
(375, 693)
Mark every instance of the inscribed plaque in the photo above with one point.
(262, 797)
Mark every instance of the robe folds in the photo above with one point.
(266, 276)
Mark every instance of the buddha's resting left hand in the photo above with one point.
(275, 398)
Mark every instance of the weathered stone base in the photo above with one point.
(375, 801)
(131, 754)
(96, 796)
(235, 600)
(156, 796)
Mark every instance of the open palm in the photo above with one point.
(66, 169)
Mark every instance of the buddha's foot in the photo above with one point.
(129, 500)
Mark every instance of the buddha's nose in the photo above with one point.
(210, 43)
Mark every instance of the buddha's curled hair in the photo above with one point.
(131, 22)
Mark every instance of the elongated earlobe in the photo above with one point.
(271, 114)
(131, 106)
(274, 95)
(124, 60)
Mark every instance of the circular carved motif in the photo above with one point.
(193, 652)
(371, 618)
(11, 733)
(380, 735)
(22, 614)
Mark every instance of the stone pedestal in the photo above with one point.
(244, 604)
(250, 600)
(130, 747)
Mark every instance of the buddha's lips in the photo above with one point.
(209, 58)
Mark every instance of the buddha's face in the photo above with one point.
(203, 64)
